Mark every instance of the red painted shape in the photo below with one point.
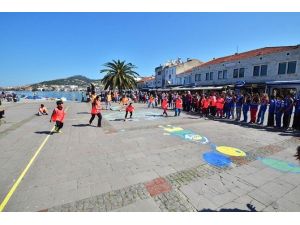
(158, 186)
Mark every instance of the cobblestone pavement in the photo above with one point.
(138, 166)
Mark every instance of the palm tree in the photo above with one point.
(119, 74)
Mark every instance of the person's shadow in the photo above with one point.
(81, 125)
(250, 207)
(44, 132)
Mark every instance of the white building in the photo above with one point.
(185, 78)
(146, 82)
(254, 67)
(166, 75)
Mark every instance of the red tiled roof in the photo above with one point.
(249, 54)
(144, 79)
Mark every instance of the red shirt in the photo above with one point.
(58, 115)
(220, 103)
(205, 103)
(96, 107)
(164, 104)
(178, 103)
(130, 108)
(213, 100)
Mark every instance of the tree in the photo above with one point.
(119, 74)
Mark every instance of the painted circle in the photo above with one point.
(216, 159)
(230, 151)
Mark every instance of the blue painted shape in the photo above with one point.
(216, 159)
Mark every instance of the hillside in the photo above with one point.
(78, 80)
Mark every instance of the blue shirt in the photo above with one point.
(272, 106)
(279, 106)
(246, 106)
(297, 106)
(288, 105)
(239, 101)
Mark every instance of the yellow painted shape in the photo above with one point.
(230, 151)
(173, 129)
(16, 184)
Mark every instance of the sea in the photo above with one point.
(70, 96)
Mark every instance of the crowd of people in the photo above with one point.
(239, 106)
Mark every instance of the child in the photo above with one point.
(296, 122)
(279, 107)
(178, 106)
(253, 108)
(271, 111)
(164, 105)
(123, 102)
(220, 106)
(246, 107)
(205, 105)
(42, 110)
(96, 110)
(151, 101)
(58, 116)
(130, 109)
(298, 153)
(262, 109)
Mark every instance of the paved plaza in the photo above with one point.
(148, 163)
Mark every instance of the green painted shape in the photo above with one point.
(281, 165)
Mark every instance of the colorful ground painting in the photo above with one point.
(281, 165)
(230, 151)
(184, 134)
(216, 159)
(218, 156)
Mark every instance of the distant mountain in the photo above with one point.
(73, 80)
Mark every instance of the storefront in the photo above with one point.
(283, 87)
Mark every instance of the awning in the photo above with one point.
(288, 82)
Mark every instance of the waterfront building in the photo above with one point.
(251, 69)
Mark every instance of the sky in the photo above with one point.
(36, 47)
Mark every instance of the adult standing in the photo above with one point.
(189, 99)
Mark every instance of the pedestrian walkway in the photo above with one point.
(149, 163)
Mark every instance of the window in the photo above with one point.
(159, 72)
(220, 75)
(197, 77)
(263, 70)
(224, 74)
(207, 76)
(169, 76)
(235, 73)
(242, 71)
(211, 74)
(291, 67)
(256, 71)
(281, 68)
